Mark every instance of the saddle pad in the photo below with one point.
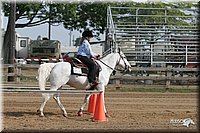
(77, 70)
(81, 71)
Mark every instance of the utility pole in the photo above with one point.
(70, 37)
(49, 32)
(73, 40)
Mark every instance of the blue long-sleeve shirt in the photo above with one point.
(85, 49)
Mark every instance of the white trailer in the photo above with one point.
(22, 45)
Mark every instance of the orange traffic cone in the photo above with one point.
(99, 114)
(92, 104)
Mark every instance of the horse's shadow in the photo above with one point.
(21, 114)
(71, 115)
(85, 117)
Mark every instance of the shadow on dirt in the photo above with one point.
(20, 114)
(50, 115)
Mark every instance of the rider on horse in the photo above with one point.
(87, 56)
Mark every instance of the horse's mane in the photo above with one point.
(107, 56)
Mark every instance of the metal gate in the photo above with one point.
(154, 36)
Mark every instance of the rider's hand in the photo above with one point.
(98, 56)
(93, 59)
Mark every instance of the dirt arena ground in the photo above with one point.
(130, 111)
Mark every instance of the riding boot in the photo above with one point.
(93, 85)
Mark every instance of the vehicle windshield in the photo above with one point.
(69, 54)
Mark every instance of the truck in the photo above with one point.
(26, 48)
(44, 49)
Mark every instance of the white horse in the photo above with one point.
(60, 74)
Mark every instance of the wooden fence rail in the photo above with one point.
(26, 74)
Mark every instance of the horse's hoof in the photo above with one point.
(80, 113)
(41, 114)
(65, 115)
(107, 115)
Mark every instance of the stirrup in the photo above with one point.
(93, 86)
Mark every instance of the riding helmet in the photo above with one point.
(87, 33)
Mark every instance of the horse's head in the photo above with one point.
(122, 61)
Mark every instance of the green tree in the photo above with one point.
(29, 15)
(174, 10)
(86, 15)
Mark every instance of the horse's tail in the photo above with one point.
(43, 74)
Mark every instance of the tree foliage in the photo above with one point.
(86, 15)
(33, 14)
(172, 9)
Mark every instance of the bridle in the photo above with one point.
(114, 70)
(126, 66)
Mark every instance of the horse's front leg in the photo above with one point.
(80, 112)
(102, 87)
(106, 113)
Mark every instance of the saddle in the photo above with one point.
(79, 68)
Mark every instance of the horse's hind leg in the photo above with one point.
(44, 101)
(80, 112)
(57, 99)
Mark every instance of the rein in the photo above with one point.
(106, 65)
(114, 70)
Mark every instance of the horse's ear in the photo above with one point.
(115, 50)
(119, 50)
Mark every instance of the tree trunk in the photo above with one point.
(5, 47)
(8, 48)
